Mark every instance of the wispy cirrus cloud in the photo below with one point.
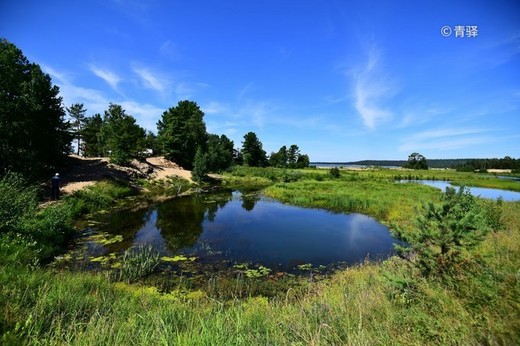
(371, 87)
(151, 80)
(96, 101)
(93, 99)
(420, 115)
(111, 78)
(445, 139)
(216, 107)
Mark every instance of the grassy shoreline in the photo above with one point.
(373, 303)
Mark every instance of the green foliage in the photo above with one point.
(473, 165)
(254, 155)
(17, 202)
(102, 195)
(444, 233)
(358, 305)
(219, 153)
(292, 155)
(303, 161)
(279, 159)
(493, 213)
(91, 140)
(137, 262)
(181, 131)
(122, 139)
(77, 113)
(34, 135)
(416, 161)
(335, 172)
(51, 229)
(171, 186)
(200, 166)
(152, 143)
(291, 158)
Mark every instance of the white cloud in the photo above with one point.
(146, 115)
(95, 101)
(109, 77)
(371, 88)
(151, 80)
(418, 116)
(215, 107)
(169, 50)
(444, 139)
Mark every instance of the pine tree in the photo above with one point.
(77, 113)
(252, 151)
(181, 131)
(121, 138)
(444, 234)
(34, 136)
(200, 166)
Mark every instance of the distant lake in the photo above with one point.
(475, 191)
(234, 227)
(346, 165)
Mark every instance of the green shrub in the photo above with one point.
(334, 172)
(17, 201)
(102, 195)
(444, 233)
(18, 249)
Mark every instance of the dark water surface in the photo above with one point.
(233, 227)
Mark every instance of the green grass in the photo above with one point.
(386, 201)
(373, 303)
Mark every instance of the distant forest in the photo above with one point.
(459, 164)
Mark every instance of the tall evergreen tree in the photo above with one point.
(120, 136)
(77, 113)
(200, 166)
(34, 134)
(90, 134)
(220, 153)
(292, 155)
(252, 151)
(181, 131)
(279, 159)
(303, 161)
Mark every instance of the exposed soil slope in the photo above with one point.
(83, 171)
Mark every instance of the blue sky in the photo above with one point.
(344, 80)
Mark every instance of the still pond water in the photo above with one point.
(475, 191)
(233, 227)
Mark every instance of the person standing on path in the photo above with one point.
(55, 187)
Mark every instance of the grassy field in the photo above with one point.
(373, 303)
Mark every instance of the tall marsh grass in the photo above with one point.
(137, 262)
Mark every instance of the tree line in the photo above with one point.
(472, 165)
(36, 136)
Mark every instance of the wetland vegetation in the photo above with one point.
(389, 302)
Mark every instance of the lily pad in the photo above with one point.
(105, 239)
(104, 259)
(178, 258)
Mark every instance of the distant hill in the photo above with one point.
(432, 163)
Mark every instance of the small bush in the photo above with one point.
(102, 195)
(444, 234)
(334, 172)
(17, 201)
